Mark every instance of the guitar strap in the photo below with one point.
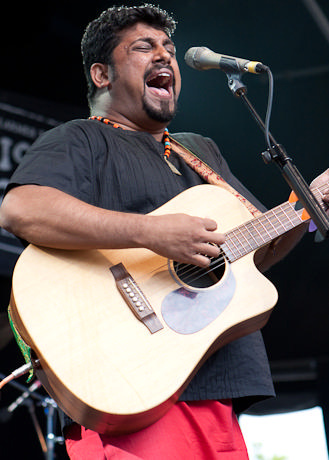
(209, 175)
(24, 348)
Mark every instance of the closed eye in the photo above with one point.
(171, 50)
(143, 48)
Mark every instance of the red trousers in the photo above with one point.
(205, 430)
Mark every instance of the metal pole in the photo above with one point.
(318, 16)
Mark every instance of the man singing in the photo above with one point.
(91, 183)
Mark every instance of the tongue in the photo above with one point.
(159, 91)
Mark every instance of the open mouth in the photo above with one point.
(160, 82)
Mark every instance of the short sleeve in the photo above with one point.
(59, 158)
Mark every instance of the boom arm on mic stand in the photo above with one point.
(277, 154)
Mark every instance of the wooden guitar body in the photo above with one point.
(99, 362)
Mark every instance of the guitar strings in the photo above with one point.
(192, 273)
(200, 272)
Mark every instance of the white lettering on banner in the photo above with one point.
(11, 152)
(14, 126)
(27, 114)
(19, 149)
(5, 160)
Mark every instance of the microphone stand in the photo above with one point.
(278, 155)
(47, 442)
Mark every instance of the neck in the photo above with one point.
(144, 124)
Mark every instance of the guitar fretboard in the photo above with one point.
(262, 230)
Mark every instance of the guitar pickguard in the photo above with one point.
(189, 310)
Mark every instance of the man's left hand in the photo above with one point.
(322, 180)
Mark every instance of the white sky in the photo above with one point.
(296, 435)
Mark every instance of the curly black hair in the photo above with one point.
(101, 35)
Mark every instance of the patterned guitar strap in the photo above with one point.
(210, 176)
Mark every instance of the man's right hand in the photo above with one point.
(183, 238)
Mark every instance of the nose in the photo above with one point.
(161, 54)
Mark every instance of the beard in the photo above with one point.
(163, 114)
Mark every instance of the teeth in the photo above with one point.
(161, 74)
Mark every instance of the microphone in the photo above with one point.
(202, 58)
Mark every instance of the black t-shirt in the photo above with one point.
(125, 171)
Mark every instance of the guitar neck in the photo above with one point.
(261, 231)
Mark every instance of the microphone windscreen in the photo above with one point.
(192, 56)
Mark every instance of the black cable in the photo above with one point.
(269, 106)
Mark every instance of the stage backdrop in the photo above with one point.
(22, 120)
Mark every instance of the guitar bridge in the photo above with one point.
(135, 299)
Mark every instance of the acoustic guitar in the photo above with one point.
(120, 333)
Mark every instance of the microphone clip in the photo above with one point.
(235, 84)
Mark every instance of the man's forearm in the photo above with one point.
(48, 217)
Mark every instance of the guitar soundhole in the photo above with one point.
(201, 277)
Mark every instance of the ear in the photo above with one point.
(99, 74)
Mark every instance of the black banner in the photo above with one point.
(19, 128)
(22, 120)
